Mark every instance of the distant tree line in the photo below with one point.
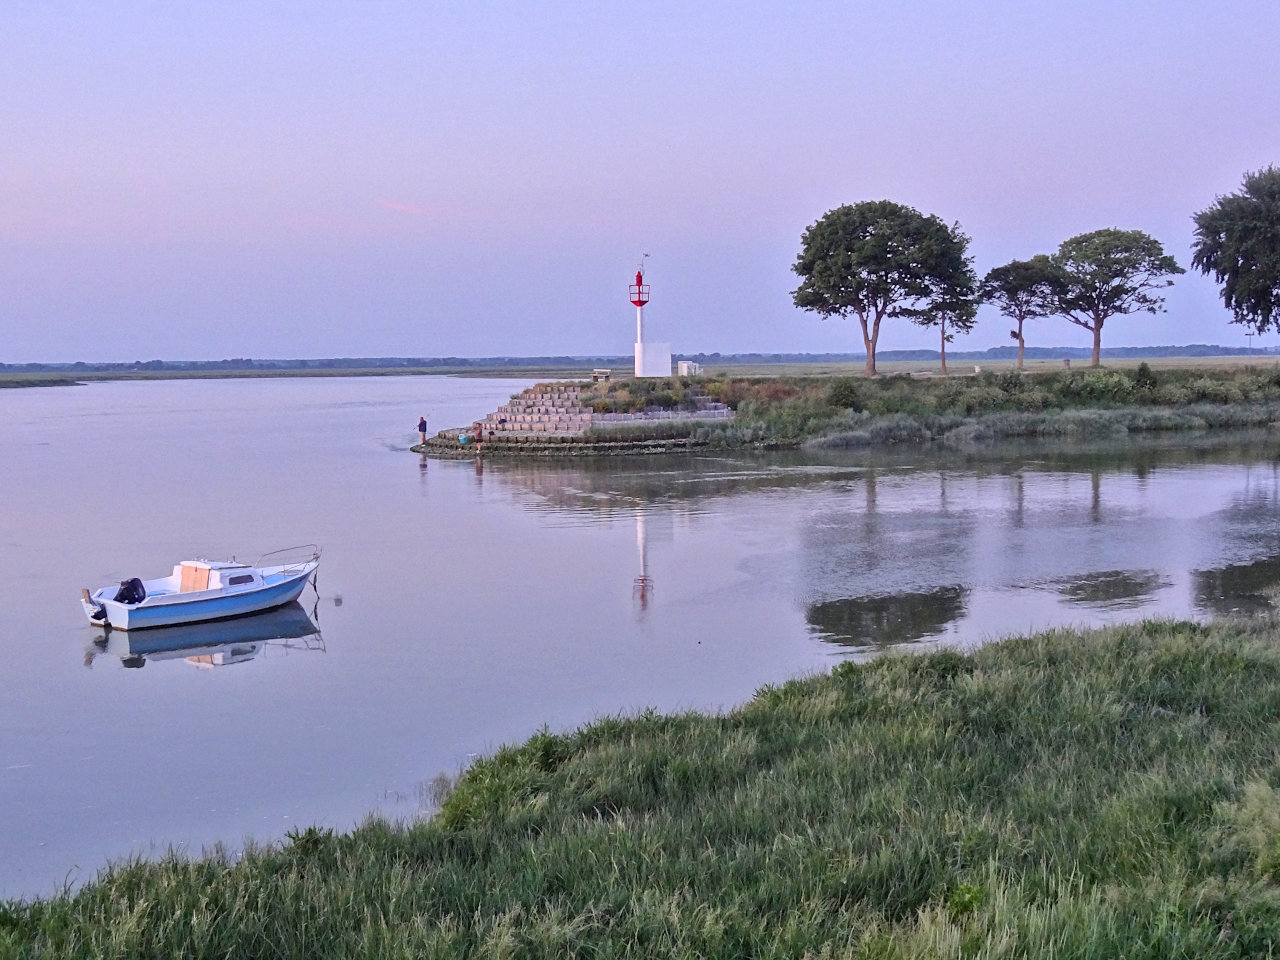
(879, 260)
(707, 359)
(329, 363)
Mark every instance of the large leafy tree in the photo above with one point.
(1023, 290)
(952, 306)
(1110, 272)
(875, 260)
(1238, 242)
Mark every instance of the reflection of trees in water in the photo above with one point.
(887, 620)
(1114, 588)
(861, 547)
(613, 485)
(901, 521)
(1250, 528)
(601, 485)
(1238, 588)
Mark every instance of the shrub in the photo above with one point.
(844, 392)
(1097, 386)
(981, 399)
(1209, 390)
(1010, 381)
(1033, 400)
(1171, 395)
(1144, 378)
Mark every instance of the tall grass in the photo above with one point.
(1086, 423)
(855, 411)
(1010, 391)
(1072, 794)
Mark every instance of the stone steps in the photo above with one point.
(558, 415)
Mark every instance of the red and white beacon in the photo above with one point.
(652, 359)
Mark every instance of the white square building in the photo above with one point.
(653, 359)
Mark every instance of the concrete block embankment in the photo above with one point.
(553, 420)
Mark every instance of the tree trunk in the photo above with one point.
(1020, 344)
(1097, 343)
(943, 352)
(869, 341)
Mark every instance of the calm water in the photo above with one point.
(461, 608)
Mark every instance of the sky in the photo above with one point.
(278, 178)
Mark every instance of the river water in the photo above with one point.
(460, 606)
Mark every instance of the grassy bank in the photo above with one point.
(854, 411)
(13, 380)
(1101, 794)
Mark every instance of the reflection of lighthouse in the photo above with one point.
(644, 584)
(652, 359)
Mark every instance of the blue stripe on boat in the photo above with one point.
(213, 607)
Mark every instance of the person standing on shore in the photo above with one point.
(422, 427)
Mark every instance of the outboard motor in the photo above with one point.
(131, 591)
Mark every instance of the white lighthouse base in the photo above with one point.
(653, 359)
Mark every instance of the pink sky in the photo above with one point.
(384, 178)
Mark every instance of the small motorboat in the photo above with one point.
(200, 590)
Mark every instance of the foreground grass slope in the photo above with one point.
(1099, 794)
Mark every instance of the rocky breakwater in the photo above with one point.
(561, 419)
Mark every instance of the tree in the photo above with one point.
(873, 260)
(952, 306)
(1023, 290)
(1238, 242)
(1110, 272)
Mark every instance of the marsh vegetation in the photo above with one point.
(858, 411)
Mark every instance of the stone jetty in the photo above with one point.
(552, 418)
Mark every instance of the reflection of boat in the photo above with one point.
(216, 643)
(200, 590)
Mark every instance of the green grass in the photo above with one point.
(844, 411)
(1074, 794)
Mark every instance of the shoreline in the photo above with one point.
(22, 381)
(665, 415)
(1080, 790)
(939, 431)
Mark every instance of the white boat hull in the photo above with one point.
(171, 609)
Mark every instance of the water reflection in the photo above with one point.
(887, 620)
(642, 590)
(1029, 533)
(1114, 589)
(609, 486)
(1238, 588)
(217, 644)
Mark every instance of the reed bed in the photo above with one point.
(1108, 793)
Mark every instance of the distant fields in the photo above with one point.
(43, 380)
(816, 369)
(1097, 794)
(960, 368)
